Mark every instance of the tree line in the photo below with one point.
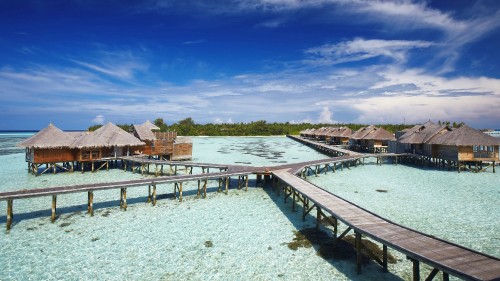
(188, 127)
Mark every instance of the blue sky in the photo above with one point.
(77, 63)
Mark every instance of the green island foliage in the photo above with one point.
(188, 127)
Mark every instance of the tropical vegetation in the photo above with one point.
(188, 127)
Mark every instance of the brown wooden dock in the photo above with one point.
(143, 165)
(444, 256)
(222, 177)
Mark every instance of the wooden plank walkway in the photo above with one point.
(418, 247)
(222, 177)
(143, 163)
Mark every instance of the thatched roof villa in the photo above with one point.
(465, 144)
(453, 147)
(164, 145)
(52, 145)
(415, 139)
(371, 139)
(340, 135)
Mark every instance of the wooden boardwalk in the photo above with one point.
(449, 258)
(143, 164)
(222, 177)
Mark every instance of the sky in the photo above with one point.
(77, 63)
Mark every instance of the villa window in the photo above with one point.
(482, 151)
(85, 155)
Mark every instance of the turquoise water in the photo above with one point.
(241, 235)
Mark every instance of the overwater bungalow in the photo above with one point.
(371, 139)
(320, 134)
(415, 140)
(69, 150)
(306, 133)
(65, 150)
(340, 135)
(163, 145)
(323, 134)
(465, 144)
(444, 146)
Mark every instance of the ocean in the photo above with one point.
(242, 235)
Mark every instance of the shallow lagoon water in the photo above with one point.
(241, 235)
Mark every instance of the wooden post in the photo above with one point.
(416, 270)
(54, 200)
(318, 217)
(446, 276)
(246, 181)
(358, 252)
(10, 213)
(90, 203)
(149, 193)
(205, 188)
(154, 193)
(199, 191)
(335, 227)
(123, 198)
(384, 257)
(293, 199)
(180, 191)
(493, 166)
(227, 184)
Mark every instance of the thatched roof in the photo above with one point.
(306, 131)
(379, 134)
(107, 136)
(372, 133)
(49, 137)
(328, 131)
(422, 133)
(362, 132)
(464, 136)
(321, 131)
(342, 132)
(151, 126)
(144, 132)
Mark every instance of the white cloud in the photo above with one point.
(361, 49)
(325, 116)
(219, 120)
(122, 70)
(99, 120)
